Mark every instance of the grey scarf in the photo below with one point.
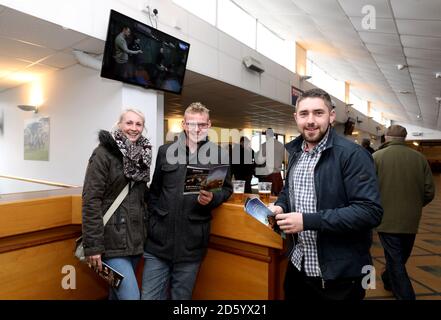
(137, 156)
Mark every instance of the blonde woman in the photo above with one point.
(123, 156)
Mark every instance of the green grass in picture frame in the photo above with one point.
(36, 139)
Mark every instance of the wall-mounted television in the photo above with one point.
(138, 54)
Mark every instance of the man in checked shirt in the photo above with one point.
(330, 203)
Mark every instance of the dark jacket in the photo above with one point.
(125, 232)
(406, 186)
(178, 226)
(348, 205)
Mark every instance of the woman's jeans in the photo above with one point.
(129, 289)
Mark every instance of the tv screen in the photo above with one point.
(138, 54)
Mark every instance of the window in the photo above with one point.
(281, 51)
(376, 116)
(256, 140)
(204, 9)
(358, 104)
(236, 22)
(233, 20)
(324, 81)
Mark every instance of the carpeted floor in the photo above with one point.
(424, 265)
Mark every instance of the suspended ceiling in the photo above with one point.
(406, 32)
(31, 47)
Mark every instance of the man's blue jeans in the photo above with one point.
(129, 289)
(162, 279)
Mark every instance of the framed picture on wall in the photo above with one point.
(36, 139)
(2, 122)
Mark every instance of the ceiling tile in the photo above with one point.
(325, 31)
(380, 38)
(262, 7)
(429, 28)
(384, 49)
(8, 64)
(422, 53)
(342, 35)
(416, 9)
(320, 7)
(381, 25)
(332, 21)
(41, 69)
(20, 26)
(16, 49)
(60, 60)
(353, 8)
(90, 45)
(390, 59)
(420, 71)
(429, 64)
(421, 42)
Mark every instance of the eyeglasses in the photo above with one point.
(193, 125)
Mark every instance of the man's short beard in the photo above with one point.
(318, 139)
(315, 140)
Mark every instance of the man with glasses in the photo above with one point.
(178, 224)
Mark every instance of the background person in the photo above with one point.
(122, 156)
(243, 164)
(366, 143)
(406, 186)
(269, 161)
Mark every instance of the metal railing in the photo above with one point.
(14, 184)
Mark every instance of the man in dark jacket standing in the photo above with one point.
(330, 203)
(406, 186)
(243, 164)
(179, 225)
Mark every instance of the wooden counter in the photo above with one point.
(37, 237)
(38, 231)
(244, 260)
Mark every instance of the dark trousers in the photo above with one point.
(298, 286)
(397, 249)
